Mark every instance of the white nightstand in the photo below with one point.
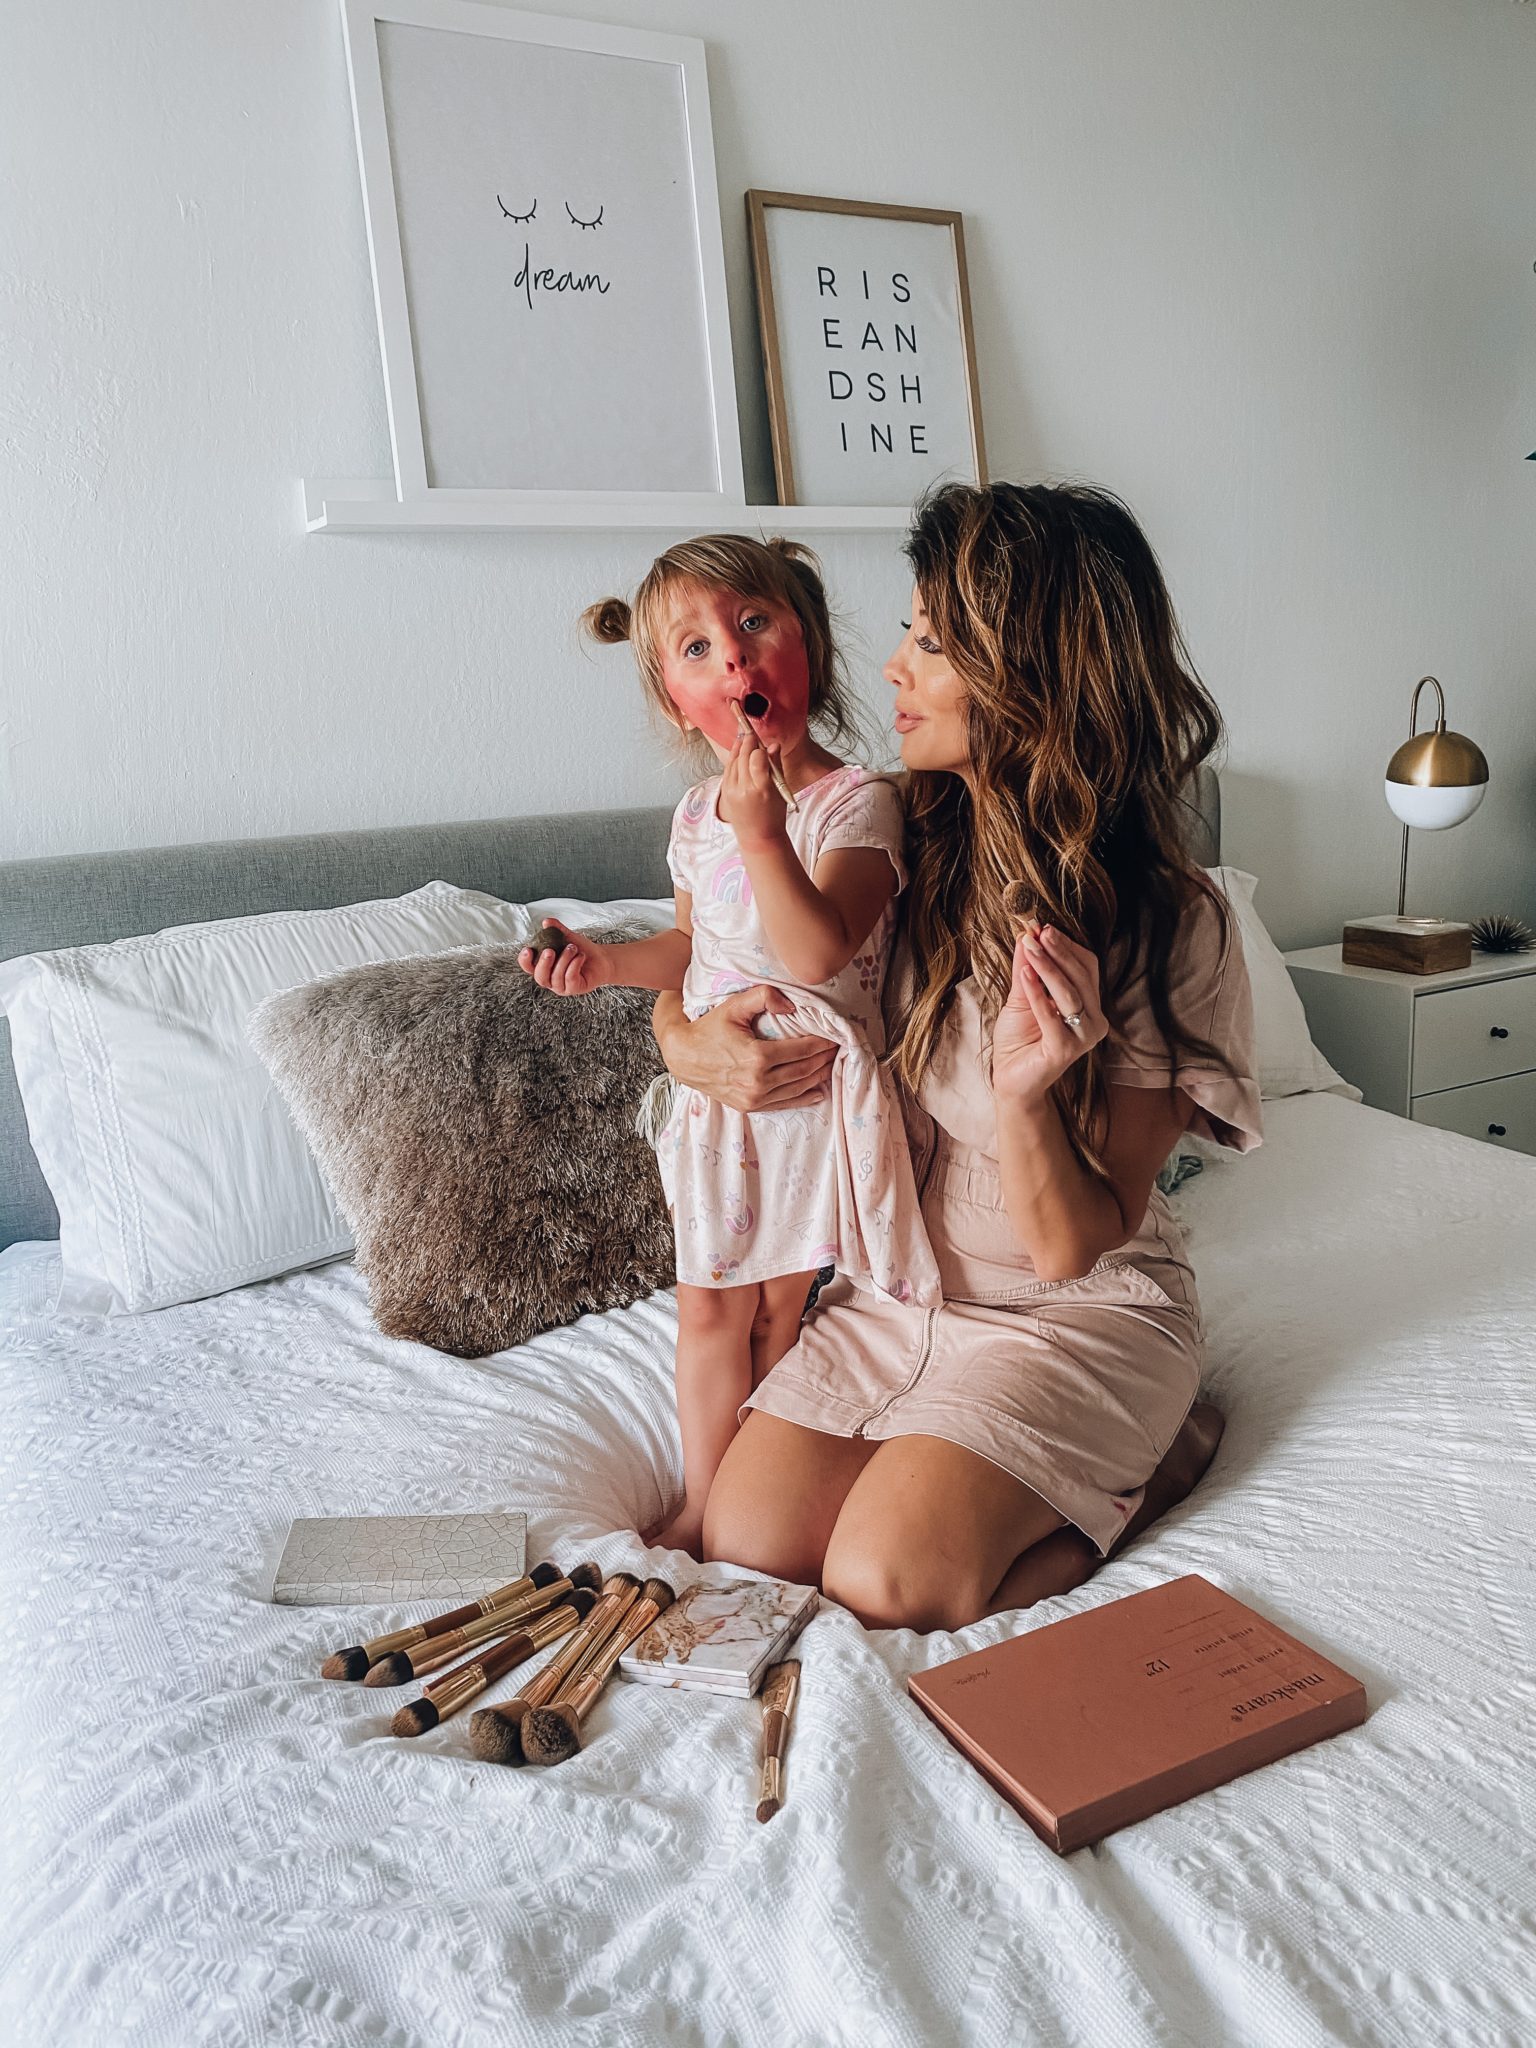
(1457, 1050)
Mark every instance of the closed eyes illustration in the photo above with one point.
(532, 214)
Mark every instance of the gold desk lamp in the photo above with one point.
(1434, 780)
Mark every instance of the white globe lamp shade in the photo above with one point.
(1428, 808)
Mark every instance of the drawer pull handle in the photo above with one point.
(1496, 1130)
(1498, 1031)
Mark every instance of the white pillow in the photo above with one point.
(176, 1169)
(1288, 1062)
(659, 912)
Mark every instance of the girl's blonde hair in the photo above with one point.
(779, 571)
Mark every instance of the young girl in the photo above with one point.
(729, 633)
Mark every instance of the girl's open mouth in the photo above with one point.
(755, 704)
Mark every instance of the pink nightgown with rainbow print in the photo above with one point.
(791, 1190)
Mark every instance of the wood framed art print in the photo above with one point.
(544, 227)
(868, 352)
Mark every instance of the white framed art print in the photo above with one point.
(868, 356)
(544, 228)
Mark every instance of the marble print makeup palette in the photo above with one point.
(720, 1636)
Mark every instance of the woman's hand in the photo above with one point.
(721, 1055)
(1032, 1046)
(748, 801)
(575, 970)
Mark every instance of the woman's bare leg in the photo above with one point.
(926, 1532)
(777, 1496)
(776, 1325)
(1062, 1561)
(714, 1377)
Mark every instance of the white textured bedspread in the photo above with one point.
(208, 1843)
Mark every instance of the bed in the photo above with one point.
(207, 1843)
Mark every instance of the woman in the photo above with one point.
(1074, 1001)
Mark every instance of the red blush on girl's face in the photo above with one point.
(718, 645)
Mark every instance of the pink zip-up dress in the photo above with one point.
(1075, 1387)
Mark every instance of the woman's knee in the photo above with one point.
(899, 1588)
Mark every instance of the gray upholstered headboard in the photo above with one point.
(85, 899)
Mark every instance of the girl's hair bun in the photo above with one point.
(609, 620)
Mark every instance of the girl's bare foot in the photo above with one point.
(685, 1531)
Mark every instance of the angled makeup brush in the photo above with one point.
(401, 1666)
(754, 705)
(495, 1733)
(466, 1682)
(781, 1689)
(354, 1661)
(551, 1734)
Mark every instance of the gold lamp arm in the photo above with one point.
(1413, 726)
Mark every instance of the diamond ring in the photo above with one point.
(1073, 1021)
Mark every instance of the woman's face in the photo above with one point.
(717, 646)
(930, 700)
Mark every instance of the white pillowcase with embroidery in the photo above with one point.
(1287, 1060)
(175, 1167)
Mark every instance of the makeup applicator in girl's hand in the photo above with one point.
(551, 1734)
(466, 1682)
(354, 1662)
(755, 705)
(401, 1666)
(496, 1733)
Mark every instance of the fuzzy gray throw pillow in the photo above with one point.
(478, 1134)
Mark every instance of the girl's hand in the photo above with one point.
(749, 803)
(575, 970)
(1032, 1047)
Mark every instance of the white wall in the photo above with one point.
(1266, 270)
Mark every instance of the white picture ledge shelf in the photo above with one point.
(372, 507)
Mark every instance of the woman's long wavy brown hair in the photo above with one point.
(1085, 720)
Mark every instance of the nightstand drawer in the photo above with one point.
(1502, 1112)
(1474, 1033)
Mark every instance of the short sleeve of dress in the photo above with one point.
(869, 813)
(681, 848)
(1209, 995)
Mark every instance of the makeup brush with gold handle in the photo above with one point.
(496, 1733)
(401, 1666)
(466, 1682)
(781, 1689)
(354, 1661)
(757, 704)
(552, 1733)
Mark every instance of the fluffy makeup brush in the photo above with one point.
(551, 1734)
(466, 1682)
(401, 1666)
(496, 1733)
(755, 705)
(354, 1661)
(545, 940)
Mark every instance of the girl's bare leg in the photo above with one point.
(776, 1325)
(714, 1377)
(1061, 1562)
